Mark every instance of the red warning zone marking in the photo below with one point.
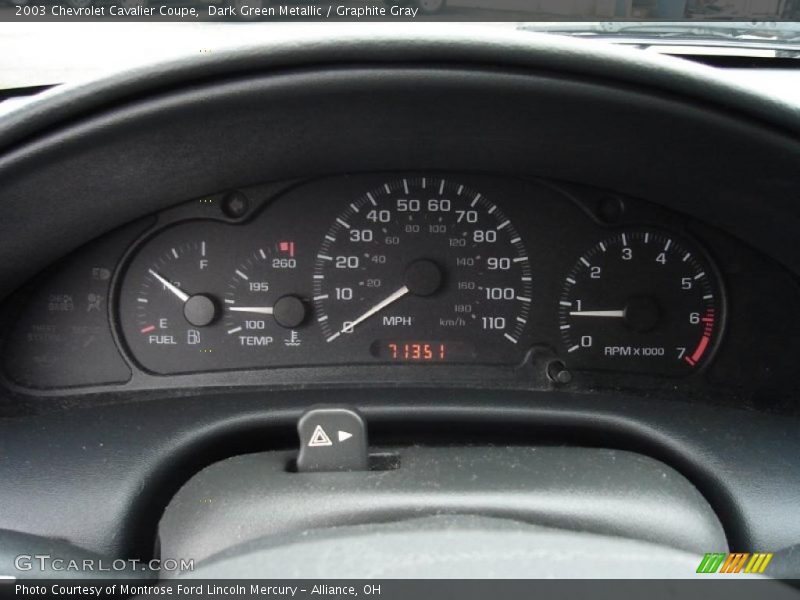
(148, 329)
(708, 321)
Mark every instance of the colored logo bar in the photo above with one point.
(735, 562)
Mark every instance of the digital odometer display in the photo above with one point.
(416, 351)
(424, 258)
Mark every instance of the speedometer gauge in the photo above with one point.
(641, 301)
(424, 270)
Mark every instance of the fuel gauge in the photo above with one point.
(171, 301)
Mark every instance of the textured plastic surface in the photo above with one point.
(602, 491)
(62, 337)
(448, 546)
(27, 556)
(127, 460)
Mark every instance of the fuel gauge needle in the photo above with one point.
(613, 314)
(182, 296)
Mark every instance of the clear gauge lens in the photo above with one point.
(260, 316)
(171, 300)
(190, 303)
(641, 301)
(424, 270)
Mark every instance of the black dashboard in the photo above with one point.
(538, 242)
(414, 279)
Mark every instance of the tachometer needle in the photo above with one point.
(258, 310)
(375, 309)
(183, 296)
(614, 314)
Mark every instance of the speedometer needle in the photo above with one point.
(183, 296)
(615, 314)
(347, 327)
(259, 310)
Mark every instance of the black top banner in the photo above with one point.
(630, 11)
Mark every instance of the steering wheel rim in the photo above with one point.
(417, 44)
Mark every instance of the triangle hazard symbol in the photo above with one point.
(319, 438)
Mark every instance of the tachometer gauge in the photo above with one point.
(424, 270)
(641, 301)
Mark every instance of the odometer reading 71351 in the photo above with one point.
(422, 351)
(423, 258)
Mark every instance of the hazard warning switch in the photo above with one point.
(332, 439)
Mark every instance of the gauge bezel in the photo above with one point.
(490, 215)
(123, 271)
(688, 242)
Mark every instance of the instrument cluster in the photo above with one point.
(418, 269)
(423, 270)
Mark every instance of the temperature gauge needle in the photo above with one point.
(613, 314)
(182, 296)
(375, 309)
(259, 310)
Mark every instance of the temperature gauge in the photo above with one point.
(259, 313)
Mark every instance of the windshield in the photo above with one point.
(63, 41)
